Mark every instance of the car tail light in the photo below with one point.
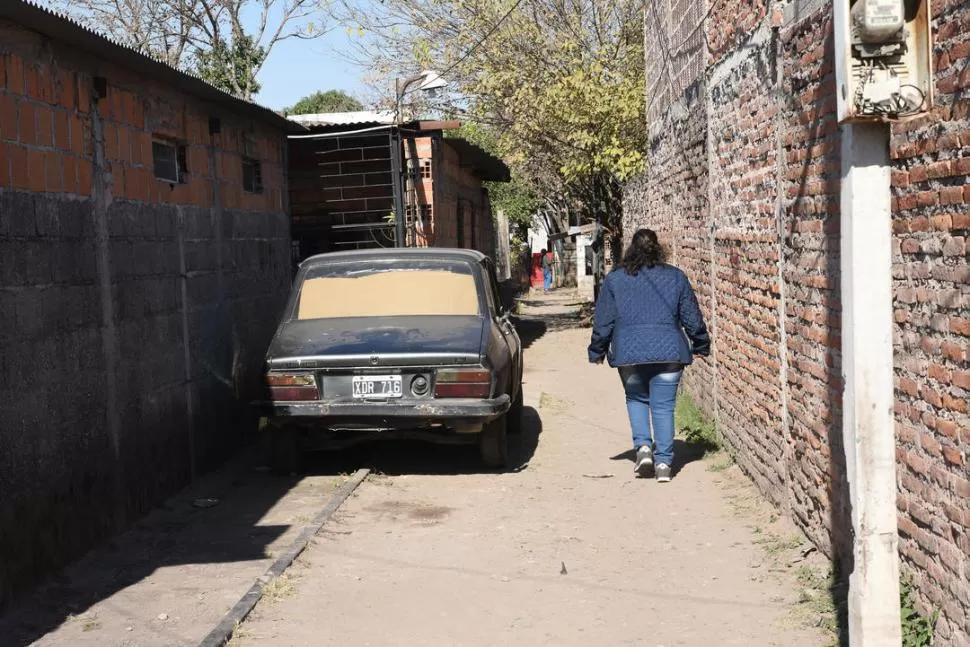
(289, 387)
(463, 383)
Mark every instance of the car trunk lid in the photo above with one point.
(362, 342)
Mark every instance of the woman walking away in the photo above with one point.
(644, 308)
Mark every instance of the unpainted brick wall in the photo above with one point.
(134, 314)
(462, 202)
(743, 185)
(931, 283)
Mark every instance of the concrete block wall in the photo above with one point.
(134, 314)
(339, 181)
(743, 184)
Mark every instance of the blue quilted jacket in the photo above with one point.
(643, 319)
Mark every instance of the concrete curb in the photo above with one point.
(224, 630)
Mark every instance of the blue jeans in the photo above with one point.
(651, 394)
(546, 278)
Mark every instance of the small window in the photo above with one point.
(419, 169)
(252, 176)
(169, 160)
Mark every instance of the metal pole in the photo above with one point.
(867, 366)
(397, 178)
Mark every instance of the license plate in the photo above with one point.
(377, 386)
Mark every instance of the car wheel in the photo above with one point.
(514, 423)
(493, 444)
(285, 453)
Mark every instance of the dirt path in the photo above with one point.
(569, 549)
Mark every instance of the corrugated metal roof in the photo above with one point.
(357, 118)
(63, 28)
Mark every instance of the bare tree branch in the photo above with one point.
(183, 32)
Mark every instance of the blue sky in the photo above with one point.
(296, 68)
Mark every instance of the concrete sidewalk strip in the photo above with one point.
(174, 575)
(223, 631)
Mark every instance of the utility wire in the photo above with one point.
(482, 40)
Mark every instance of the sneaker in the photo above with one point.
(644, 460)
(663, 473)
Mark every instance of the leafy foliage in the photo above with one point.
(694, 426)
(518, 199)
(329, 101)
(559, 83)
(230, 66)
(917, 629)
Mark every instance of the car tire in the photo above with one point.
(514, 424)
(493, 444)
(285, 452)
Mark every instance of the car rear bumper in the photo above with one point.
(452, 412)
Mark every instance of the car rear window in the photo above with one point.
(388, 291)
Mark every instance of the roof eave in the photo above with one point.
(65, 30)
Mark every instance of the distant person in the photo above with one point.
(546, 258)
(643, 311)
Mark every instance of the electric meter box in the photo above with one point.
(877, 20)
(883, 59)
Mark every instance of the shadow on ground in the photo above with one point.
(533, 327)
(684, 453)
(185, 531)
(397, 457)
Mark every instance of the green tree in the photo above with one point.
(230, 66)
(518, 198)
(560, 84)
(329, 101)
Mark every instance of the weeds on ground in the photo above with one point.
(720, 462)
(917, 629)
(239, 634)
(773, 544)
(376, 477)
(89, 621)
(695, 427)
(91, 624)
(280, 588)
(817, 599)
(549, 401)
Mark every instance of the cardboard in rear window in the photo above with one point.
(391, 293)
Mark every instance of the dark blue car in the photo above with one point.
(412, 343)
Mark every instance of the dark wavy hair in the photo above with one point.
(644, 251)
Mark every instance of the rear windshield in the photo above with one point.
(388, 290)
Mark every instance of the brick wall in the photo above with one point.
(463, 213)
(675, 192)
(134, 313)
(744, 188)
(931, 281)
(809, 196)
